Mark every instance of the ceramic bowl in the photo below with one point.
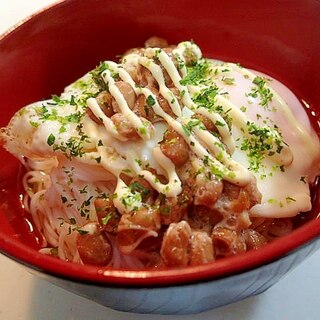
(56, 46)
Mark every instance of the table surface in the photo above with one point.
(24, 296)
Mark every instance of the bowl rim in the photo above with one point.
(24, 20)
(23, 254)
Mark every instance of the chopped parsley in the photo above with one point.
(74, 146)
(72, 227)
(72, 101)
(243, 108)
(80, 231)
(272, 201)
(138, 187)
(84, 189)
(72, 221)
(98, 159)
(281, 203)
(206, 97)
(131, 200)
(197, 74)
(142, 130)
(45, 114)
(106, 219)
(139, 162)
(261, 91)
(34, 124)
(290, 199)
(97, 78)
(150, 100)
(212, 169)
(187, 128)
(84, 209)
(261, 142)
(51, 139)
(59, 101)
(219, 124)
(228, 81)
(180, 62)
(303, 179)
(69, 174)
(63, 199)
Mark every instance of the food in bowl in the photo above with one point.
(165, 159)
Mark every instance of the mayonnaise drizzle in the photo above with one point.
(223, 128)
(123, 105)
(295, 124)
(166, 92)
(108, 123)
(203, 144)
(240, 120)
(107, 148)
(241, 176)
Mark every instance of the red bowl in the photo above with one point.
(57, 46)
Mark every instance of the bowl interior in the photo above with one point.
(57, 46)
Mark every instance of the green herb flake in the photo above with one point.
(205, 161)
(83, 209)
(219, 124)
(63, 199)
(261, 142)
(197, 73)
(139, 162)
(150, 100)
(74, 146)
(97, 78)
(290, 199)
(142, 130)
(180, 62)
(272, 201)
(188, 127)
(186, 130)
(228, 81)
(73, 101)
(106, 219)
(303, 179)
(131, 198)
(262, 91)
(83, 190)
(81, 232)
(206, 97)
(34, 124)
(62, 129)
(51, 139)
(138, 187)
(243, 108)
